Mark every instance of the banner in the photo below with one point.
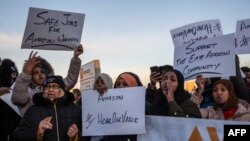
(184, 129)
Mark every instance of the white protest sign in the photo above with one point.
(88, 72)
(117, 112)
(191, 33)
(52, 30)
(213, 57)
(161, 128)
(7, 99)
(243, 36)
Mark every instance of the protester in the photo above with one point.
(156, 76)
(124, 80)
(53, 116)
(9, 119)
(246, 71)
(174, 100)
(102, 83)
(227, 105)
(35, 71)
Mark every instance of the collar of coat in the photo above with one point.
(67, 99)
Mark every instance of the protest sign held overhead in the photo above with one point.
(52, 30)
(118, 112)
(243, 36)
(188, 34)
(214, 57)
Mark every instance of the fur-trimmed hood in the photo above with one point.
(67, 99)
(45, 65)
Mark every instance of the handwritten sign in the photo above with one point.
(243, 36)
(52, 30)
(118, 112)
(191, 33)
(88, 73)
(214, 57)
(184, 129)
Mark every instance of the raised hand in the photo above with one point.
(30, 63)
(200, 82)
(78, 51)
(168, 91)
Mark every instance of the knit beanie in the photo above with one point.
(55, 79)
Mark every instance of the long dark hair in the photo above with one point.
(232, 101)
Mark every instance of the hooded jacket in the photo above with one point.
(64, 113)
(24, 88)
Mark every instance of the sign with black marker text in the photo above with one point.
(188, 34)
(118, 112)
(243, 36)
(213, 57)
(52, 30)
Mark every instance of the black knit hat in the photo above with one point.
(55, 79)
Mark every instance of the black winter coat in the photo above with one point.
(63, 111)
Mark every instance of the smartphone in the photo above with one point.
(154, 69)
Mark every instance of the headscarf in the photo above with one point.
(180, 94)
(106, 78)
(232, 101)
(131, 78)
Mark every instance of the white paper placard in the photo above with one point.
(214, 57)
(118, 112)
(52, 30)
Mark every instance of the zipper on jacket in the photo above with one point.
(57, 129)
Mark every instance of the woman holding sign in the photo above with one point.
(174, 100)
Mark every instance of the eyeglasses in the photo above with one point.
(53, 87)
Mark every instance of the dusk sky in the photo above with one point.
(125, 35)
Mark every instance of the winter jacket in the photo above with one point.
(242, 113)
(64, 113)
(23, 92)
(162, 107)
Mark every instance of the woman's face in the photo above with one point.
(38, 76)
(220, 93)
(52, 91)
(170, 81)
(121, 83)
(100, 85)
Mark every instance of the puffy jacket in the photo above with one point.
(23, 90)
(64, 113)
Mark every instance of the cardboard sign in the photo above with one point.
(188, 34)
(88, 72)
(214, 57)
(52, 30)
(243, 36)
(117, 112)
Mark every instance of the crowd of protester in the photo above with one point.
(49, 111)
